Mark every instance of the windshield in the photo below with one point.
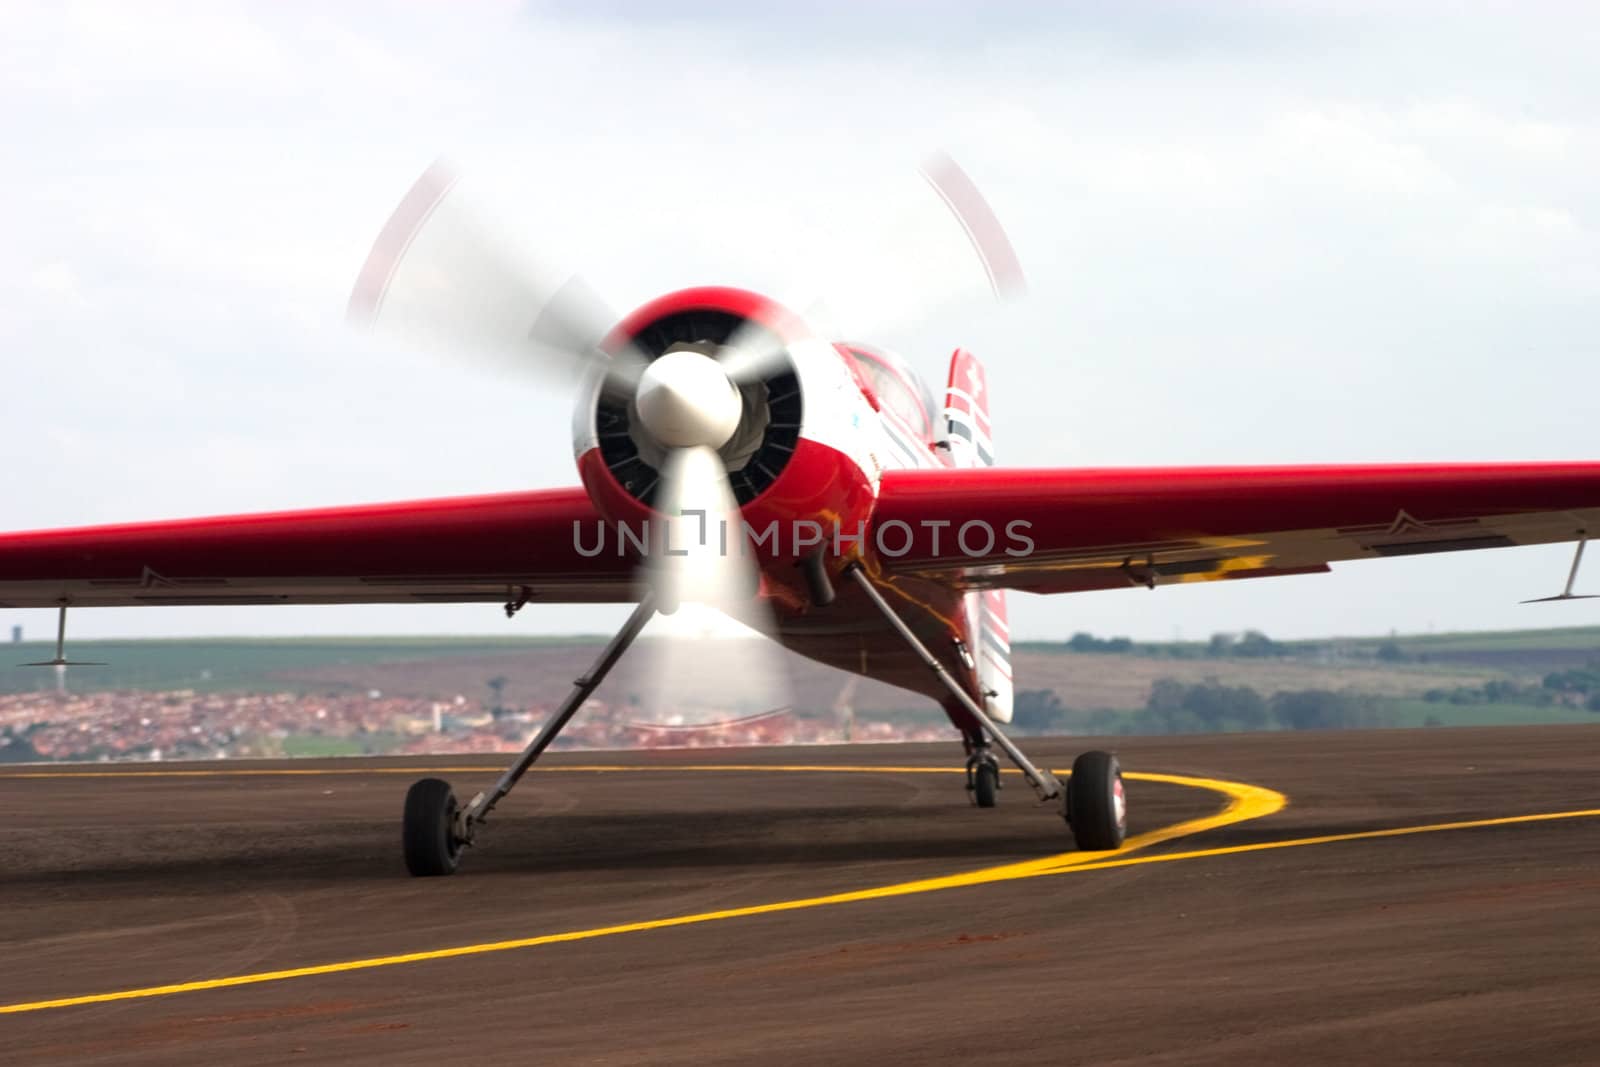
(898, 388)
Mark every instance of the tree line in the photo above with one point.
(1176, 707)
(1251, 644)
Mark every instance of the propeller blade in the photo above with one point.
(983, 228)
(438, 275)
(883, 261)
(700, 557)
(701, 667)
(706, 581)
(754, 352)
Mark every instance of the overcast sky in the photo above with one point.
(1253, 234)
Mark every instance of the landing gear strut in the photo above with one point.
(1093, 804)
(436, 829)
(1044, 783)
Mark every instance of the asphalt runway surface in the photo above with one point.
(819, 905)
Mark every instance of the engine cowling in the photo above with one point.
(789, 467)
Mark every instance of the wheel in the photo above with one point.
(429, 830)
(1095, 806)
(985, 784)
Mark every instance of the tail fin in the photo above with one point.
(966, 412)
(968, 443)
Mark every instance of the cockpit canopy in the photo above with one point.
(898, 387)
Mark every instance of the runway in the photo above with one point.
(1420, 896)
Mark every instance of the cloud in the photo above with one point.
(1253, 234)
(58, 282)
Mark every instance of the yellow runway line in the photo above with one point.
(1329, 839)
(1243, 802)
(495, 769)
(1067, 863)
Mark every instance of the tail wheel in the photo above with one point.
(1096, 807)
(985, 784)
(429, 830)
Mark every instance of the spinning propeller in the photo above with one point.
(439, 277)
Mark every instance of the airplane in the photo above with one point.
(730, 453)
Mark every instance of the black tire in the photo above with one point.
(985, 784)
(429, 830)
(1096, 807)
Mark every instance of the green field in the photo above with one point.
(1573, 637)
(1422, 713)
(237, 663)
(1413, 645)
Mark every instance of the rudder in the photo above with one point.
(968, 442)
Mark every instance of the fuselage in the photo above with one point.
(858, 411)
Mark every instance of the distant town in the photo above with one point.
(185, 725)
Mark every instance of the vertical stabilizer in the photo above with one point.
(968, 443)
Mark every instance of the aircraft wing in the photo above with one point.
(461, 549)
(1112, 528)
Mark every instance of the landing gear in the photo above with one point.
(429, 831)
(436, 829)
(1093, 802)
(1044, 783)
(1095, 806)
(983, 777)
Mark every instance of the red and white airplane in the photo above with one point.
(730, 454)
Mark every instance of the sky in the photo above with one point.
(1253, 234)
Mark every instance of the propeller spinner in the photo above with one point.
(686, 400)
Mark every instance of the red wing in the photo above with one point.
(1111, 528)
(460, 549)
